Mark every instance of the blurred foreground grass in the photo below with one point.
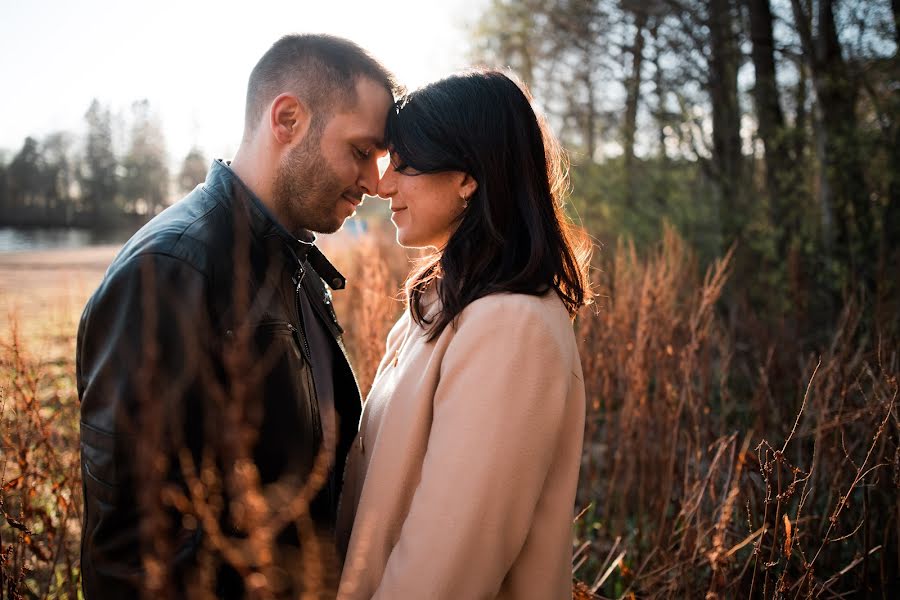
(699, 478)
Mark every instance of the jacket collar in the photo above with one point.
(223, 183)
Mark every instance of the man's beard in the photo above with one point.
(306, 189)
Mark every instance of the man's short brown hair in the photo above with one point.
(321, 69)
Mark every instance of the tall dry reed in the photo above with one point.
(683, 495)
(694, 482)
(40, 479)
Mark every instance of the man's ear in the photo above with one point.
(289, 118)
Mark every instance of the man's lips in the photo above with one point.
(354, 200)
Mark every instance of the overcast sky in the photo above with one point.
(191, 58)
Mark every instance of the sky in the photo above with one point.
(191, 58)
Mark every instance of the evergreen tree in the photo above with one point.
(97, 172)
(25, 180)
(193, 170)
(145, 182)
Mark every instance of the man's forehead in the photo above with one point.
(365, 120)
(362, 130)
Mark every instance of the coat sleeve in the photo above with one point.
(141, 343)
(498, 412)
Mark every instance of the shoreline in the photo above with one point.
(87, 256)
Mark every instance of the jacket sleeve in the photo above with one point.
(141, 345)
(498, 412)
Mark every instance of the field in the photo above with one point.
(714, 466)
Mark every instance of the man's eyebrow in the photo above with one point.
(375, 142)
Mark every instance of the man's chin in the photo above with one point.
(330, 227)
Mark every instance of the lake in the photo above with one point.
(13, 239)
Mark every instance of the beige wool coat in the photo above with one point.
(461, 483)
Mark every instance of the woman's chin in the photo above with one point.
(402, 239)
(407, 241)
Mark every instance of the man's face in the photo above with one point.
(323, 178)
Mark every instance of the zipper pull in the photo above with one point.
(299, 274)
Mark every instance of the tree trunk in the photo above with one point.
(895, 6)
(855, 245)
(633, 92)
(590, 118)
(799, 139)
(726, 119)
(778, 164)
(659, 83)
(889, 251)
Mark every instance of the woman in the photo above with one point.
(461, 483)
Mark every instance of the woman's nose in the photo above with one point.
(387, 185)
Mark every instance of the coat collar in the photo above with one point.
(225, 185)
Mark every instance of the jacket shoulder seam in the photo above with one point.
(162, 253)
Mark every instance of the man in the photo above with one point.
(217, 403)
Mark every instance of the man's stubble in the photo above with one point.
(306, 188)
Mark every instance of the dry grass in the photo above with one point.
(685, 495)
(40, 480)
(693, 483)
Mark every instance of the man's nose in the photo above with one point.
(368, 177)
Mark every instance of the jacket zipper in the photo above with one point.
(301, 332)
(299, 275)
(340, 344)
(330, 318)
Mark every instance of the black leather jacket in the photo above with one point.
(195, 341)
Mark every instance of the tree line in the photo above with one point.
(771, 124)
(64, 180)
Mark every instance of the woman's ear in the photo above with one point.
(289, 118)
(467, 186)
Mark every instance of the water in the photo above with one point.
(13, 239)
(25, 240)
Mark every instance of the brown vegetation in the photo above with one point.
(691, 487)
(700, 475)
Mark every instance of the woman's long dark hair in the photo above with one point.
(513, 236)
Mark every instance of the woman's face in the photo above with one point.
(426, 206)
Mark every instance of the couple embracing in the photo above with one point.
(226, 452)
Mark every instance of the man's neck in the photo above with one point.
(253, 171)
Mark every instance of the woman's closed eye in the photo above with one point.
(398, 163)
